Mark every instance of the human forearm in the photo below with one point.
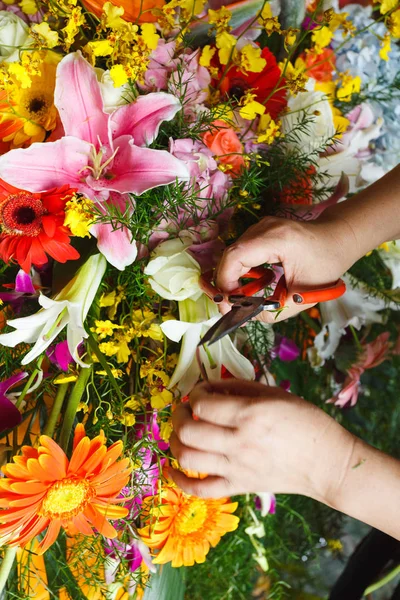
(369, 218)
(369, 488)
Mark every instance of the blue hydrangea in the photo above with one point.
(360, 56)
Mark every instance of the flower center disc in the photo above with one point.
(66, 498)
(21, 214)
(192, 516)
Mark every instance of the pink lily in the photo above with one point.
(102, 155)
(10, 415)
(373, 354)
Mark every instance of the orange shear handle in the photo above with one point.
(322, 295)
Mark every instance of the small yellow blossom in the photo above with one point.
(321, 38)
(82, 406)
(166, 430)
(268, 129)
(114, 372)
(71, 30)
(160, 399)
(385, 48)
(387, 5)
(112, 16)
(108, 348)
(20, 74)
(123, 353)
(46, 34)
(348, 85)
(340, 122)
(79, 216)
(296, 78)
(225, 43)
(206, 56)
(268, 21)
(393, 23)
(143, 326)
(334, 545)
(220, 19)
(65, 378)
(290, 36)
(340, 20)
(249, 107)
(118, 75)
(104, 328)
(29, 7)
(152, 374)
(99, 48)
(149, 35)
(250, 59)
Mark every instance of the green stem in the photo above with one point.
(28, 384)
(55, 411)
(6, 565)
(310, 322)
(93, 345)
(355, 336)
(379, 584)
(72, 406)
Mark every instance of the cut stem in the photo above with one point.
(55, 411)
(72, 406)
(6, 566)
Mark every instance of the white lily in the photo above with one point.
(195, 320)
(68, 309)
(356, 307)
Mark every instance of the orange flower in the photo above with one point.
(134, 10)
(43, 489)
(299, 190)
(224, 143)
(319, 66)
(184, 527)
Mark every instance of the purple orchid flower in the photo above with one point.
(23, 289)
(104, 156)
(285, 349)
(9, 414)
(60, 355)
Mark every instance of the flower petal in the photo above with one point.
(142, 118)
(137, 170)
(117, 245)
(44, 166)
(78, 99)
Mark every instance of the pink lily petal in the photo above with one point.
(116, 245)
(142, 118)
(44, 166)
(78, 99)
(10, 415)
(137, 170)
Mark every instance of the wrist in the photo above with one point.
(340, 234)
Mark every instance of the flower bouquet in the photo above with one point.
(138, 140)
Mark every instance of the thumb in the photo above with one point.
(237, 260)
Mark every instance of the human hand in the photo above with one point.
(252, 438)
(311, 253)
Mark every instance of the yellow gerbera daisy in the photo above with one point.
(183, 527)
(28, 114)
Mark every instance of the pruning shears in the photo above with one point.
(246, 306)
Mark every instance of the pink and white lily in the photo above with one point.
(103, 156)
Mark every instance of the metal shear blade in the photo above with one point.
(243, 309)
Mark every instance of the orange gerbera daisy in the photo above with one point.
(32, 226)
(134, 10)
(184, 527)
(43, 489)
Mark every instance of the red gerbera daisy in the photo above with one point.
(32, 226)
(236, 83)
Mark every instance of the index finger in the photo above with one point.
(223, 403)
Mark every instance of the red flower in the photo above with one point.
(235, 84)
(32, 226)
(300, 190)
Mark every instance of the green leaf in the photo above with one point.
(241, 12)
(167, 584)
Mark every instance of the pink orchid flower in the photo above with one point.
(373, 354)
(102, 155)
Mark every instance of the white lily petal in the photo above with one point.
(174, 330)
(187, 371)
(237, 364)
(45, 339)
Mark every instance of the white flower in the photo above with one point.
(319, 128)
(356, 307)
(113, 97)
(69, 308)
(14, 34)
(391, 258)
(196, 319)
(174, 273)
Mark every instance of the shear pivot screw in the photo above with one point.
(297, 298)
